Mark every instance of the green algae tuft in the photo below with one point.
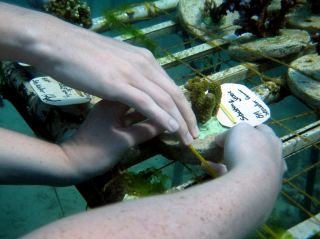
(205, 98)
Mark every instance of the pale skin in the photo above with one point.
(96, 64)
(230, 206)
(95, 148)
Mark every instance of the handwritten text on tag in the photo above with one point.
(53, 92)
(240, 104)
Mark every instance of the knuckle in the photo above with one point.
(145, 102)
(140, 60)
(126, 72)
(166, 101)
(179, 95)
(183, 130)
(146, 53)
(115, 93)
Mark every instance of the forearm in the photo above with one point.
(228, 207)
(35, 38)
(20, 37)
(27, 160)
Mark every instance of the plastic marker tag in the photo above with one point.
(53, 92)
(240, 104)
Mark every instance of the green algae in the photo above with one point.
(144, 183)
(205, 98)
(127, 29)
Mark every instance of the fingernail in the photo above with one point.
(173, 125)
(188, 139)
(196, 132)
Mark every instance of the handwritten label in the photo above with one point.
(53, 92)
(240, 104)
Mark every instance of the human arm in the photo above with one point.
(96, 64)
(230, 206)
(95, 147)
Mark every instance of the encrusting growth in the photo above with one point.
(72, 11)
(205, 97)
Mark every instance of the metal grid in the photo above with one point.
(300, 194)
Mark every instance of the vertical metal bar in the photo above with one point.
(187, 44)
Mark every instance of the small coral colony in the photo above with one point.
(262, 18)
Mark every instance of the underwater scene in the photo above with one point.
(263, 51)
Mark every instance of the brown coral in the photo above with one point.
(205, 97)
(72, 11)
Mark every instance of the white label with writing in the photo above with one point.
(240, 104)
(53, 92)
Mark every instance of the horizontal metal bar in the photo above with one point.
(301, 139)
(163, 28)
(190, 54)
(135, 13)
(304, 230)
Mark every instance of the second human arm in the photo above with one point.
(96, 147)
(228, 207)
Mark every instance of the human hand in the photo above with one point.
(112, 70)
(252, 147)
(105, 134)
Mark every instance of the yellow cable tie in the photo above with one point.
(213, 173)
(230, 116)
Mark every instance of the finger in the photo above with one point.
(218, 168)
(165, 101)
(266, 129)
(185, 109)
(156, 74)
(144, 104)
(141, 132)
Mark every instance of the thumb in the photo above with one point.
(141, 132)
(218, 168)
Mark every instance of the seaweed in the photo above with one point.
(72, 11)
(205, 97)
(144, 183)
(127, 29)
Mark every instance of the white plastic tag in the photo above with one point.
(53, 92)
(240, 104)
